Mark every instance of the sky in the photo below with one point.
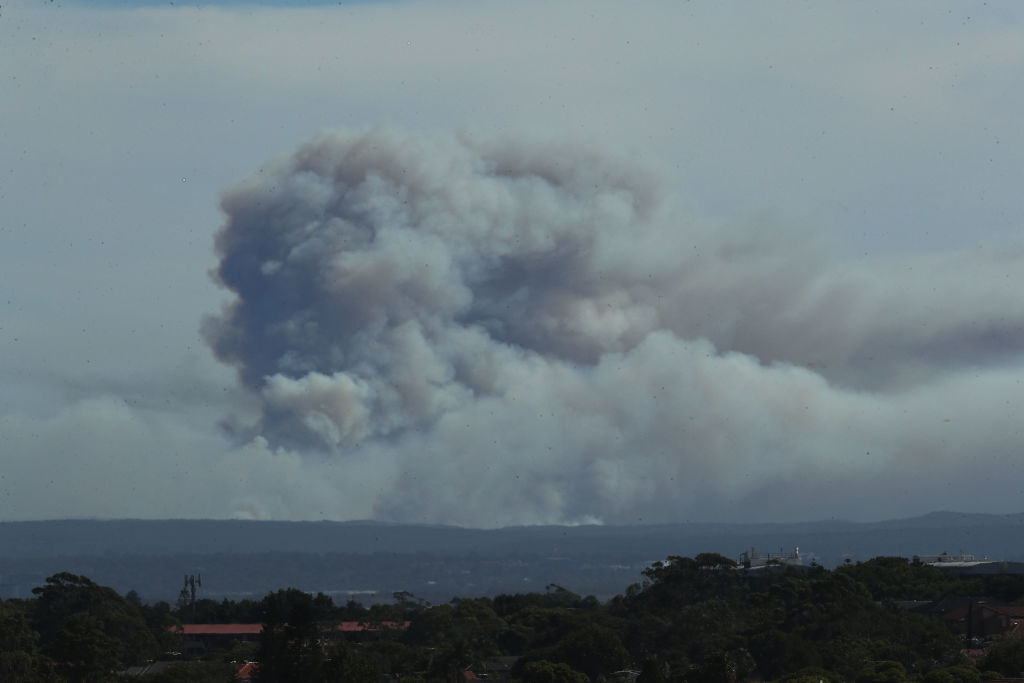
(509, 263)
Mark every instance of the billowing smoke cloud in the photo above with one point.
(525, 334)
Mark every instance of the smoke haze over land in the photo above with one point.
(541, 334)
(511, 262)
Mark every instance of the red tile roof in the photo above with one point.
(1013, 611)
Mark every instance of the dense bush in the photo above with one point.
(691, 619)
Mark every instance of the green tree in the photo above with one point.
(896, 578)
(469, 627)
(348, 663)
(593, 649)
(101, 626)
(653, 671)
(811, 675)
(714, 561)
(543, 671)
(83, 650)
(290, 642)
(883, 672)
(20, 658)
(1007, 657)
(724, 666)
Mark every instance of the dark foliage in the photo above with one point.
(89, 630)
(697, 620)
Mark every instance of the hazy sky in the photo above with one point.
(493, 263)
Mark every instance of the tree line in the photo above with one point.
(691, 620)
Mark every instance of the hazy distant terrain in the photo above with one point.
(371, 560)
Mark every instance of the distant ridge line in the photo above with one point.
(913, 535)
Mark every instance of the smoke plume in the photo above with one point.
(533, 334)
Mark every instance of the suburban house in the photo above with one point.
(198, 638)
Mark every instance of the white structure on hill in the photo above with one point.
(755, 558)
(943, 558)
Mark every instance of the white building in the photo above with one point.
(755, 558)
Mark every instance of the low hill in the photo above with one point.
(372, 559)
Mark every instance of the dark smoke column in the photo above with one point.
(382, 281)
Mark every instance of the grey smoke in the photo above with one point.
(528, 334)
